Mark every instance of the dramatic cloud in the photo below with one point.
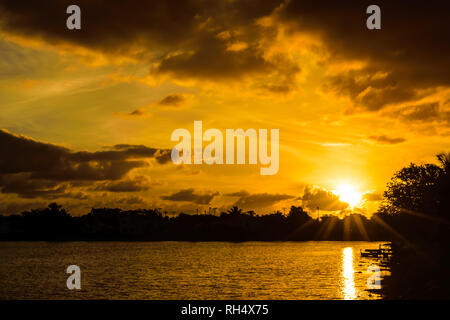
(386, 139)
(189, 195)
(21, 154)
(31, 168)
(25, 187)
(372, 196)
(407, 56)
(172, 100)
(370, 91)
(226, 40)
(422, 112)
(128, 185)
(213, 61)
(120, 152)
(107, 25)
(322, 199)
(426, 112)
(137, 112)
(258, 200)
(132, 200)
(179, 37)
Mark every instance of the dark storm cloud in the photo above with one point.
(31, 168)
(20, 154)
(163, 156)
(118, 152)
(25, 187)
(182, 33)
(172, 100)
(412, 46)
(52, 162)
(371, 91)
(325, 200)
(106, 25)
(387, 140)
(433, 112)
(132, 200)
(258, 200)
(189, 195)
(408, 56)
(121, 152)
(115, 25)
(137, 113)
(127, 185)
(424, 113)
(92, 171)
(212, 60)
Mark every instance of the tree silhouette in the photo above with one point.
(251, 213)
(416, 210)
(53, 210)
(444, 159)
(234, 211)
(414, 188)
(296, 212)
(444, 186)
(420, 190)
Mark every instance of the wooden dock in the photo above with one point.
(384, 251)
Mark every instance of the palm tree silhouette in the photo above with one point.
(444, 159)
(234, 211)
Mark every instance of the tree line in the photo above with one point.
(414, 210)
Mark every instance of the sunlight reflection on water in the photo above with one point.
(347, 273)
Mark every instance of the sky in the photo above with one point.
(86, 116)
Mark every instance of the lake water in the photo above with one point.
(186, 270)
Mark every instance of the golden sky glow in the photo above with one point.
(349, 113)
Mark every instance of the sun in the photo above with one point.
(347, 193)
